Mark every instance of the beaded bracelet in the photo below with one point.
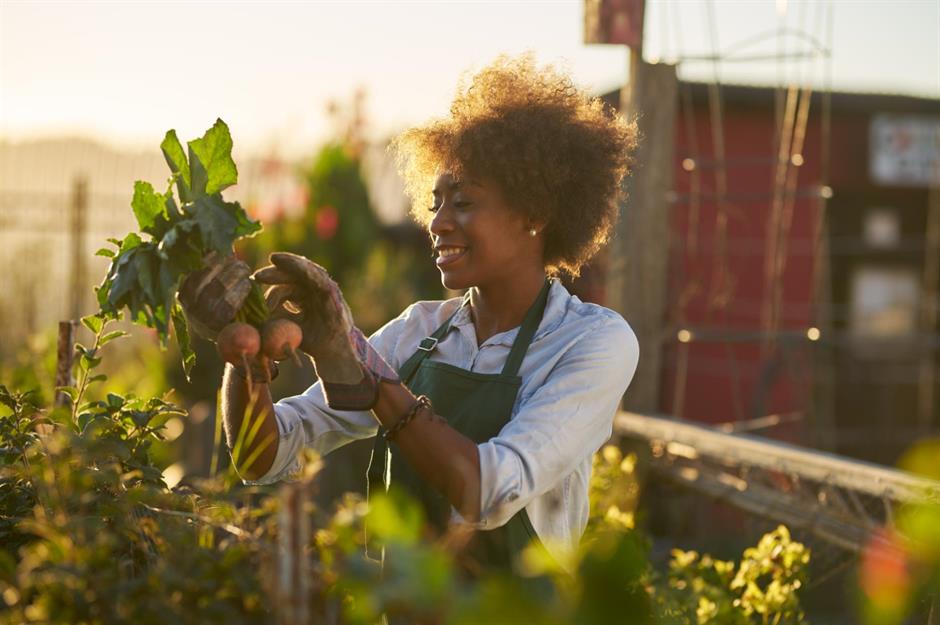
(422, 401)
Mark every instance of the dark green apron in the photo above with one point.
(477, 405)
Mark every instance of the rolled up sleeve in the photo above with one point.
(306, 420)
(561, 424)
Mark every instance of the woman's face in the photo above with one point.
(478, 240)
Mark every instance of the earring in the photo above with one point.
(533, 232)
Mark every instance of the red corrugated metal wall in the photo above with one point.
(718, 291)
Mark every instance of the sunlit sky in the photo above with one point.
(124, 72)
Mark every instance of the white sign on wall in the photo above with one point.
(904, 150)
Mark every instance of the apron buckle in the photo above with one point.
(427, 344)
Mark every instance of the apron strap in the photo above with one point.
(519, 347)
(427, 345)
(529, 325)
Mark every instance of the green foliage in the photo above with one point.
(614, 489)
(91, 533)
(145, 274)
(338, 207)
(761, 588)
(18, 420)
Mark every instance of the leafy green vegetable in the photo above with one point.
(145, 274)
(149, 209)
(212, 156)
(182, 337)
(176, 159)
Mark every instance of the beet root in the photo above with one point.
(280, 339)
(238, 342)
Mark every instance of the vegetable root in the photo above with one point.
(238, 341)
(280, 339)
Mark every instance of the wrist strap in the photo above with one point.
(422, 402)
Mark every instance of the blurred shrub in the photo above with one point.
(899, 572)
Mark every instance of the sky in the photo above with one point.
(125, 72)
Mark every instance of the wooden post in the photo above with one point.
(77, 243)
(64, 360)
(930, 300)
(639, 251)
(293, 570)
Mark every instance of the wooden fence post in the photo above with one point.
(293, 566)
(639, 251)
(78, 287)
(64, 360)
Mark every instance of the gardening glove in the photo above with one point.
(349, 368)
(211, 296)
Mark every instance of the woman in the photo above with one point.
(489, 407)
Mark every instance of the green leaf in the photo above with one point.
(213, 153)
(181, 247)
(150, 209)
(144, 266)
(87, 363)
(105, 252)
(199, 175)
(246, 226)
(172, 210)
(71, 391)
(176, 159)
(130, 242)
(115, 401)
(93, 323)
(181, 327)
(84, 419)
(110, 336)
(122, 283)
(169, 283)
(217, 224)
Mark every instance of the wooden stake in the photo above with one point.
(293, 574)
(64, 361)
(78, 287)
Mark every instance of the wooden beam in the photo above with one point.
(807, 464)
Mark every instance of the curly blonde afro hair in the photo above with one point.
(557, 154)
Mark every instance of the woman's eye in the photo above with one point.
(457, 204)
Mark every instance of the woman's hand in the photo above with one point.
(211, 296)
(349, 368)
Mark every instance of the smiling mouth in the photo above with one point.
(447, 255)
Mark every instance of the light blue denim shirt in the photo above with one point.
(578, 366)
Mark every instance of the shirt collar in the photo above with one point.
(555, 307)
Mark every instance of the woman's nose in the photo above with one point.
(442, 221)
